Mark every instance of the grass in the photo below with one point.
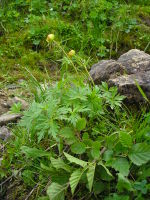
(23, 37)
(95, 31)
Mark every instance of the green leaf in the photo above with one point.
(123, 183)
(81, 124)
(47, 168)
(121, 165)
(125, 139)
(43, 198)
(90, 175)
(107, 156)
(106, 169)
(99, 187)
(117, 197)
(95, 151)
(67, 132)
(34, 152)
(140, 153)
(59, 164)
(141, 91)
(75, 160)
(74, 179)
(56, 191)
(78, 148)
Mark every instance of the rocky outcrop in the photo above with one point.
(105, 69)
(130, 70)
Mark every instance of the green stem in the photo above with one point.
(66, 55)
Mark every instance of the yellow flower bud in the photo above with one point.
(50, 38)
(71, 53)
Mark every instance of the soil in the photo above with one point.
(3, 103)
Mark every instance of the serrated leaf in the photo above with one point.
(140, 153)
(56, 191)
(81, 124)
(121, 165)
(77, 161)
(33, 152)
(78, 148)
(108, 155)
(90, 175)
(106, 169)
(125, 139)
(95, 151)
(47, 168)
(59, 164)
(74, 179)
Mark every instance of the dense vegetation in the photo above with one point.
(95, 29)
(76, 140)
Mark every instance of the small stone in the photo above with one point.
(4, 133)
(9, 118)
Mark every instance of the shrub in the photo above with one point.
(77, 137)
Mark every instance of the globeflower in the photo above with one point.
(71, 53)
(50, 38)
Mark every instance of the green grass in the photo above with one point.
(25, 27)
(90, 119)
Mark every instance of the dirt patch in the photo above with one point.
(145, 20)
(3, 103)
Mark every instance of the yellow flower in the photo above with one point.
(50, 38)
(71, 53)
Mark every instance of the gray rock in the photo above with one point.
(9, 118)
(135, 61)
(105, 69)
(127, 85)
(4, 133)
(131, 66)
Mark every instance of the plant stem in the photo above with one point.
(66, 55)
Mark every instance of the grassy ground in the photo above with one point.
(96, 30)
(108, 31)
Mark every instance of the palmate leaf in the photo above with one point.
(140, 153)
(125, 139)
(56, 191)
(75, 178)
(77, 161)
(90, 175)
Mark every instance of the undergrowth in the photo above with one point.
(97, 29)
(78, 141)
